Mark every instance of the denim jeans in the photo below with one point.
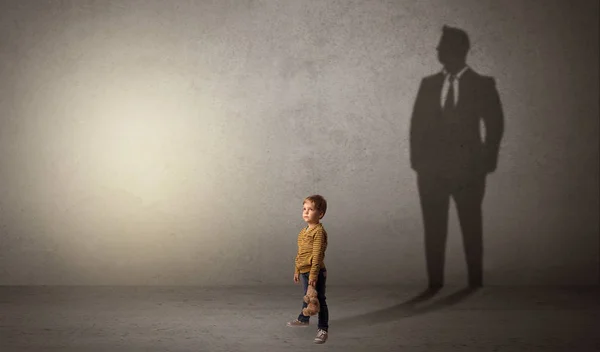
(320, 287)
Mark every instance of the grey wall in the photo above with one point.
(157, 142)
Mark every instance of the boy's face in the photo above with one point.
(310, 214)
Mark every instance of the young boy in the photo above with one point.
(312, 243)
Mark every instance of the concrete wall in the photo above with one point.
(172, 142)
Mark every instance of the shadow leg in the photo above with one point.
(469, 198)
(435, 201)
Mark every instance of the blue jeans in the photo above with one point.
(320, 287)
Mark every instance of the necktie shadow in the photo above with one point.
(406, 309)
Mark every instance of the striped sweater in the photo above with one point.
(312, 244)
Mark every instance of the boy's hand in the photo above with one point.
(313, 283)
(296, 278)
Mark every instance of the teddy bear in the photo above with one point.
(313, 302)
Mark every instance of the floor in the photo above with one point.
(372, 319)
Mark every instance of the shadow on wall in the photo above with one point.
(450, 156)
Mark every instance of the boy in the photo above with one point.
(312, 243)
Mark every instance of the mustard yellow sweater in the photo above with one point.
(312, 244)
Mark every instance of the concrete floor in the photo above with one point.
(253, 319)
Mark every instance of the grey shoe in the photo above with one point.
(297, 323)
(321, 336)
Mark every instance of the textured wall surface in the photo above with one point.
(172, 142)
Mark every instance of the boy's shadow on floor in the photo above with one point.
(406, 309)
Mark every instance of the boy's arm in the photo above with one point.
(317, 255)
(296, 271)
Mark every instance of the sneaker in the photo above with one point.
(296, 323)
(321, 336)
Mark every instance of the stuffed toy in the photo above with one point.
(313, 302)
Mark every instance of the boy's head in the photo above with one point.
(314, 208)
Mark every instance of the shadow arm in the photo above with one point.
(493, 119)
(417, 135)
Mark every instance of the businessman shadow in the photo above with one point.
(456, 128)
(406, 309)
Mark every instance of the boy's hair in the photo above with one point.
(319, 202)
